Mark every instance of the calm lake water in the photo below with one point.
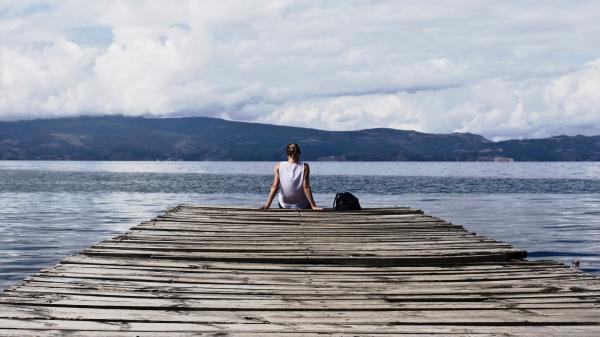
(49, 210)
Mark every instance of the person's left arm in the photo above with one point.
(274, 187)
(307, 189)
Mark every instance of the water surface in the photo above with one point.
(49, 210)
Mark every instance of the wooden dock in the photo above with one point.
(209, 271)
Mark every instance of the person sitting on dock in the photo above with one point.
(293, 178)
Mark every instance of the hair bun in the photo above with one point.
(293, 150)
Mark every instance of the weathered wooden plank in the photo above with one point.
(323, 268)
(54, 333)
(282, 278)
(200, 291)
(370, 318)
(525, 289)
(215, 266)
(117, 291)
(328, 304)
(340, 276)
(331, 255)
(314, 249)
(135, 236)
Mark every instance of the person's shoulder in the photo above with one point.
(306, 165)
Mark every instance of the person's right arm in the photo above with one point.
(307, 189)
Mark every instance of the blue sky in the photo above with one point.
(504, 69)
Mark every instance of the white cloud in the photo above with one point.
(504, 69)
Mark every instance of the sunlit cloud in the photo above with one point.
(503, 69)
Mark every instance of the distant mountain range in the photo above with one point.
(202, 138)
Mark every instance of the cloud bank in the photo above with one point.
(506, 69)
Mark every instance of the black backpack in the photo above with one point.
(346, 202)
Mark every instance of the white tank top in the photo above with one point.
(291, 180)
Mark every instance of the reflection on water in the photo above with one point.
(523, 170)
(51, 210)
(143, 182)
